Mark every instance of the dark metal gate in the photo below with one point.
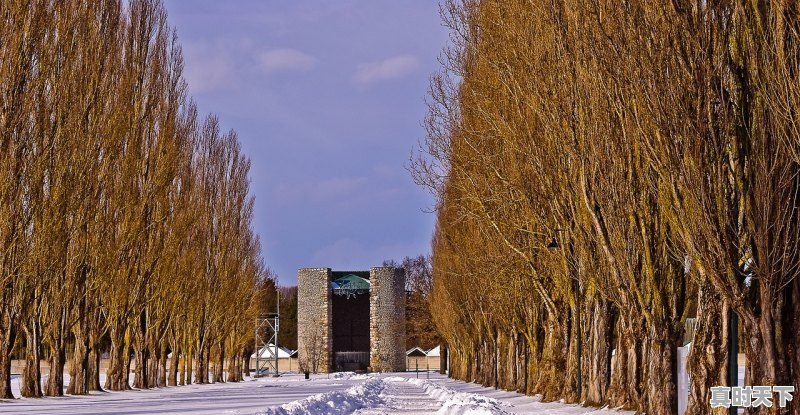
(350, 361)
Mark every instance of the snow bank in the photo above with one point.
(457, 403)
(350, 376)
(365, 395)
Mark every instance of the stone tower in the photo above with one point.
(387, 319)
(313, 319)
(332, 328)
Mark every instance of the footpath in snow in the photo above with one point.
(442, 396)
(335, 394)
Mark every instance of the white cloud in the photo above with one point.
(348, 254)
(221, 64)
(387, 69)
(285, 60)
(212, 74)
(214, 65)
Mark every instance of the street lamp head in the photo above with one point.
(553, 245)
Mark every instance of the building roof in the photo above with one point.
(335, 275)
(350, 285)
(268, 351)
(416, 351)
(350, 282)
(435, 352)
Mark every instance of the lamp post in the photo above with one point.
(553, 245)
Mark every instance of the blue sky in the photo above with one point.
(327, 98)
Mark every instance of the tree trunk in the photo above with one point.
(31, 382)
(625, 378)
(512, 360)
(572, 327)
(79, 370)
(239, 369)
(162, 367)
(93, 370)
(153, 354)
(707, 363)
(207, 359)
(234, 372)
(7, 337)
(79, 380)
(235, 367)
(793, 326)
(55, 381)
(523, 352)
(119, 365)
(661, 394)
(764, 348)
(219, 372)
(5, 367)
(172, 374)
(153, 351)
(535, 339)
(140, 367)
(526, 367)
(201, 367)
(246, 363)
(553, 365)
(186, 379)
(597, 351)
(202, 370)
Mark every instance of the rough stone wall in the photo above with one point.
(314, 330)
(387, 319)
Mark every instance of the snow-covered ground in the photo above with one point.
(337, 394)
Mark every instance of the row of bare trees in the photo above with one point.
(125, 219)
(420, 328)
(653, 148)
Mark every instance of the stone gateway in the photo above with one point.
(351, 320)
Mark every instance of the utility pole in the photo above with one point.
(733, 354)
(277, 325)
(578, 332)
(266, 340)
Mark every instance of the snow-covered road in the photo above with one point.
(339, 394)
